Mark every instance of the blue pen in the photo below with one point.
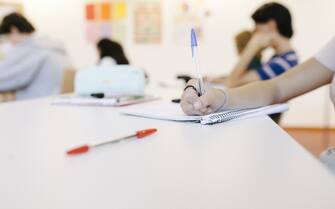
(194, 46)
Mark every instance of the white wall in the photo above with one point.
(314, 25)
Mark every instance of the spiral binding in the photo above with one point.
(226, 116)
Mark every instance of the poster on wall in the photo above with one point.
(147, 22)
(7, 8)
(106, 20)
(190, 14)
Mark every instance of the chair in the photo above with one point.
(7, 96)
(68, 81)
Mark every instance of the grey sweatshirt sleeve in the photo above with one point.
(18, 69)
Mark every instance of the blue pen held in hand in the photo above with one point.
(194, 46)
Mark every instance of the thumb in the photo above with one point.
(212, 99)
(202, 102)
(205, 99)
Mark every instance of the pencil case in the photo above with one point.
(118, 80)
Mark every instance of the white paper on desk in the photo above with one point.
(159, 110)
(84, 101)
(91, 101)
(173, 112)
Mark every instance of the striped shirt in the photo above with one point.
(277, 65)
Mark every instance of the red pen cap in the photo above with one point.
(78, 150)
(144, 133)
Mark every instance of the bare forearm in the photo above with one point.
(247, 55)
(256, 94)
(301, 79)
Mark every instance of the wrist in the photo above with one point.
(224, 91)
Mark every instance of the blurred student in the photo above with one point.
(310, 75)
(111, 53)
(241, 41)
(33, 67)
(273, 29)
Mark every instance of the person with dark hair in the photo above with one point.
(18, 22)
(273, 29)
(34, 67)
(111, 52)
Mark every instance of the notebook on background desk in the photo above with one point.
(173, 112)
(91, 101)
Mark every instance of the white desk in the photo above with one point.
(250, 164)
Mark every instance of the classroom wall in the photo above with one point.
(313, 20)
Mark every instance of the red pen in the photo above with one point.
(85, 148)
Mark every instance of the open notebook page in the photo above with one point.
(171, 111)
(159, 110)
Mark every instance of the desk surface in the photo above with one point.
(250, 164)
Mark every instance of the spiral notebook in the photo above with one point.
(173, 112)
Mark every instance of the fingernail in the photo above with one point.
(197, 105)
